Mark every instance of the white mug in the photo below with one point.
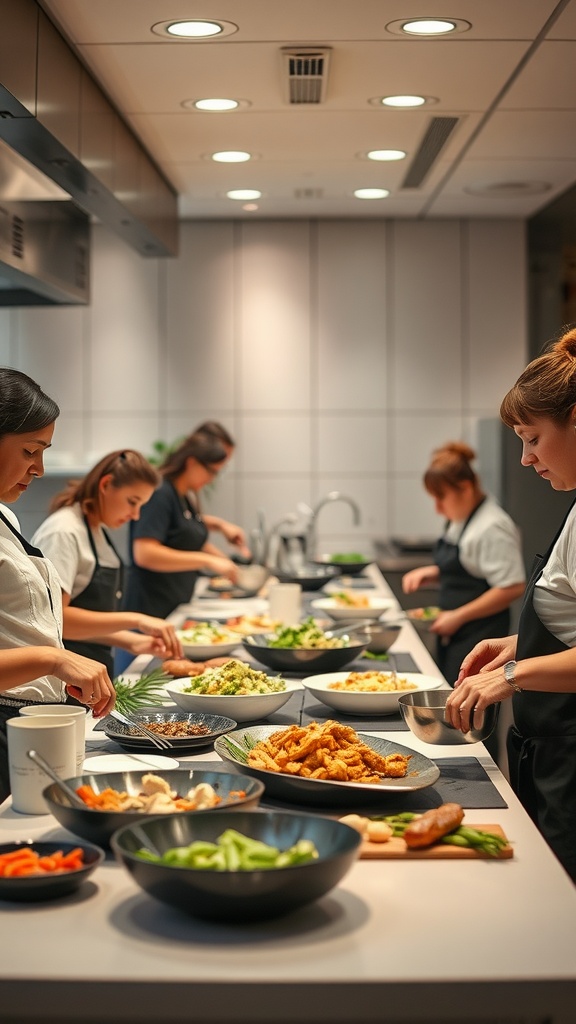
(65, 712)
(285, 602)
(55, 740)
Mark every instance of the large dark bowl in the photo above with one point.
(239, 896)
(303, 660)
(32, 888)
(98, 826)
(349, 568)
(424, 713)
(380, 636)
(310, 577)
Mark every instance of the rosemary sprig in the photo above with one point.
(146, 691)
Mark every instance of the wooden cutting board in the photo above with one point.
(396, 849)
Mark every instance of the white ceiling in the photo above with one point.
(510, 80)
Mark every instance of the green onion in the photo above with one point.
(146, 691)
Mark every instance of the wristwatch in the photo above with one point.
(509, 673)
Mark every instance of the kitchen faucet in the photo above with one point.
(311, 531)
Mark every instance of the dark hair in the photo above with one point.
(201, 447)
(23, 405)
(124, 467)
(449, 468)
(547, 387)
(211, 428)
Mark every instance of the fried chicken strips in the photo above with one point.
(329, 751)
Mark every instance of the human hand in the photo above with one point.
(169, 644)
(86, 680)
(446, 623)
(416, 578)
(487, 655)
(467, 703)
(222, 566)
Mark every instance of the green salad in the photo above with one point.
(354, 556)
(205, 633)
(306, 636)
(235, 678)
(233, 852)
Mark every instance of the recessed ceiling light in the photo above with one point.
(386, 154)
(371, 193)
(428, 26)
(213, 105)
(231, 156)
(403, 101)
(250, 206)
(194, 29)
(244, 193)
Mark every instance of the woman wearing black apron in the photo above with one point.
(478, 561)
(91, 571)
(34, 668)
(170, 545)
(537, 668)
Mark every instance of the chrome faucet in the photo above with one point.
(311, 531)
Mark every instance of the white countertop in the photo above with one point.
(435, 941)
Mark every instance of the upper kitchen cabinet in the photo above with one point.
(18, 59)
(58, 95)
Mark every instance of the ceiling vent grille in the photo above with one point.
(308, 193)
(305, 74)
(437, 134)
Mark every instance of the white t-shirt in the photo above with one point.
(63, 538)
(27, 616)
(490, 547)
(555, 591)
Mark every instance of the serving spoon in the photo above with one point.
(63, 786)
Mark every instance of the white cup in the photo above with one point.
(53, 738)
(65, 712)
(285, 602)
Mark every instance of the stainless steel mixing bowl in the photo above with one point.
(424, 714)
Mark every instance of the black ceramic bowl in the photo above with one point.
(342, 565)
(239, 896)
(380, 636)
(298, 659)
(310, 577)
(32, 888)
(98, 826)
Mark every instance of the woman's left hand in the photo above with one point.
(235, 535)
(468, 701)
(446, 624)
(167, 642)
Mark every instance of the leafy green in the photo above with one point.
(305, 636)
(148, 691)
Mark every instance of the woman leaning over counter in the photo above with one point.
(537, 668)
(34, 668)
(170, 545)
(91, 570)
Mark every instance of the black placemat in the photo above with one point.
(462, 780)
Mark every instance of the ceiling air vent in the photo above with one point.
(437, 134)
(305, 74)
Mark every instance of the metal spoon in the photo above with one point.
(72, 796)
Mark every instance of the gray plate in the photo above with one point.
(121, 734)
(422, 772)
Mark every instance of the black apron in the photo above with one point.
(10, 707)
(103, 594)
(458, 587)
(542, 743)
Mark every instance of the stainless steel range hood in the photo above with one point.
(44, 239)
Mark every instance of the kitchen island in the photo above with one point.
(397, 941)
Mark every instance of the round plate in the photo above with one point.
(217, 725)
(423, 772)
(377, 606)
(128, 763)
(357, 702)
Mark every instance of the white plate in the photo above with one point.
(248, 707)
(356, 702)
(200, 652)
(128, 763)
(204, 608)
(377, 606)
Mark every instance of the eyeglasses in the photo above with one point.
(212, 470)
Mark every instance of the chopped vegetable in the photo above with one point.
(233, 852)
(306, 636)
(352, 557)
(233, 679)
(26, 861)
(144, 692)
(205, 633)
(471, 838)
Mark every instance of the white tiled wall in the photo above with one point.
(338, 354)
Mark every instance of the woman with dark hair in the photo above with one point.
(75, 539)
(537, 668)
(232, 533)
(34, 668)
(170, 544)
(477, 561)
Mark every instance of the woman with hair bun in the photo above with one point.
(75, 539)
(477, 561)
(537, 668)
